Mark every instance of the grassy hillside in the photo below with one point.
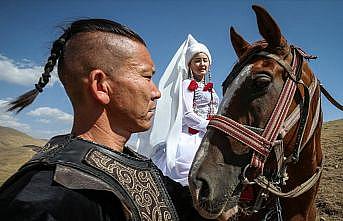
(330, 197)
(15, 149)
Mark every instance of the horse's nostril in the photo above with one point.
(204, 189)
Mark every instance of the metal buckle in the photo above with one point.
(262, 197)
(245, 180)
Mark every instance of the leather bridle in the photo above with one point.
(262, 144)
(279, 125)
(276, 128)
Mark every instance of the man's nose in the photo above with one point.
(156, 94)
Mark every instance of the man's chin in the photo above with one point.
(143, 126)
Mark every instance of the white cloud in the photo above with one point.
(53, 121)
(9, 120)
(49, 113)
(22, 73)
(44, 121)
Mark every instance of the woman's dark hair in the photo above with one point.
(83, 25)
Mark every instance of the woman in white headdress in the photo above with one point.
(187, 102)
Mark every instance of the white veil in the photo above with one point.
(167, 122)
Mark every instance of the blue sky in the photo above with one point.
(29, 27)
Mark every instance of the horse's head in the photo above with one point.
(251, 92)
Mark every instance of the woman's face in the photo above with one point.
(199, 65)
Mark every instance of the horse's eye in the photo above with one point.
(262, 81)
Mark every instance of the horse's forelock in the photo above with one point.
(255, 47)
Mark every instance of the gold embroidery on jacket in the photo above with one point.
(139, 184)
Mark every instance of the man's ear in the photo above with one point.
(98, 86)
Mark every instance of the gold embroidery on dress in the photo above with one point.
(138, 183)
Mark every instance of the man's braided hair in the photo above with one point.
(56, 54)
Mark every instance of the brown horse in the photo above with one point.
(261, 157)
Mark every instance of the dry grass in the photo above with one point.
(329, 198)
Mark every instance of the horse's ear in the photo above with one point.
(238, 42)
(268, 28)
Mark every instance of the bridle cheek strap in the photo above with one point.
(276, 120)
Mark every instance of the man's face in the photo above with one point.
(133, 93)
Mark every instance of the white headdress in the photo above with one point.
(195, 47)
(167, 124)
